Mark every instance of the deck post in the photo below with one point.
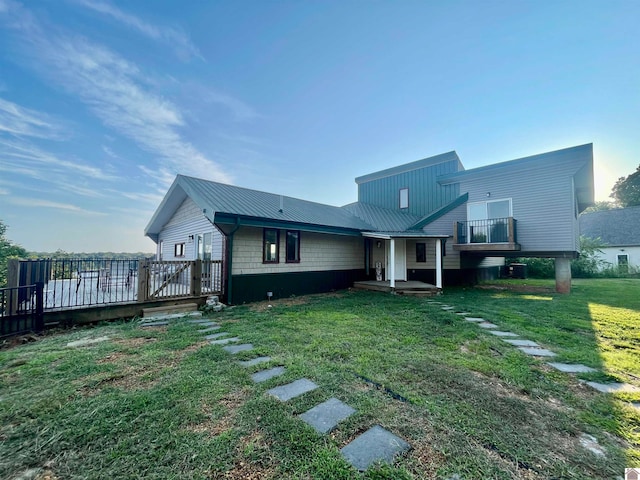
(392, 264)
(439, 262)
(196, 278)
(143, 280)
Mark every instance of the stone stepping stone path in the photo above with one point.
(537, 352)
(614, 387)
(326, 416)
(254, 361)
(224, 341)
(487, 325)
(153, 324)
(474, 319)
(173, 316)
(210, 328)
(374, 445)
(233, 349)
(213, 336)
(522, 343)
(447, 307)
(463, 314)
(87, 341)
(572, 367)
(293, 389)
(264, 375)
(500, 333)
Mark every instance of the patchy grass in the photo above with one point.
(161, 403)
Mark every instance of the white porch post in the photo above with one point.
(392, 264)
(438, 262)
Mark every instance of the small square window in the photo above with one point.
(404, 198)
(178, 250)
(421, 253)
(293, 246)
(270, 246)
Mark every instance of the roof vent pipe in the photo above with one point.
(281, 204)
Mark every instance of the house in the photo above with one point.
(429, 220)
(619, 230)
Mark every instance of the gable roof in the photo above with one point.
(617, 227)
(219, 200)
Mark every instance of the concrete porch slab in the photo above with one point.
(293, 389)
(264, 375)
(233, 349)
(326, 416)
(374, 445)
(571, 367)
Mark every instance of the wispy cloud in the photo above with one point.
(175, 38)
(18, 120)
(4, 191)
(39, 203)
(118, 93)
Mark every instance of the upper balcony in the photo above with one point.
(493, 235)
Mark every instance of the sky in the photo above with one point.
(103, 102)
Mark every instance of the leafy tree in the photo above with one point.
(626, 190)
(7, 250)
(599, 206)
(588, 264)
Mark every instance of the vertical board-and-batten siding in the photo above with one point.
(425, 194)
(318, 252)
(542, 202)
(188, 220)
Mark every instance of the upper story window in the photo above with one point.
(404, 198)
(271, 246)
(293, 246)
(179, 250)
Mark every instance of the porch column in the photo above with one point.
(392, 264)
(438, 262)
(563, 275)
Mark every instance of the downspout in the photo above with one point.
(230, 260)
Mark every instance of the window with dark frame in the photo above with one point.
(404, 198)
(293, 246)
(270, 246)
(421, 252)
(178, 250)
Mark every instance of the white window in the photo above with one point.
(404, 198)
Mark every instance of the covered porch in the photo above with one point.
(395, 277)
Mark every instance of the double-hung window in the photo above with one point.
(293, 246)
(271, 246)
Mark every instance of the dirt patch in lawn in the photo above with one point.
(231, 403)
(520, 288)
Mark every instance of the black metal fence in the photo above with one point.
(21, 309)
(494, 230)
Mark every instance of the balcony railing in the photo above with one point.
(487, 232)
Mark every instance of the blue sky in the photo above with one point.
(102, 103)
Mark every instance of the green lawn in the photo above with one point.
(162, 403)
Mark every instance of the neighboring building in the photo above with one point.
(619, 231)
(429, 220)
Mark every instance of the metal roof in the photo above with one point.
(382, 218)
(408, 167)
(219, 198)
(617, 227)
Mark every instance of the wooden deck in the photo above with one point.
(410, 287)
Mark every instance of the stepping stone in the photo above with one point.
(447, 307)
(487, 325)
(224, 341)
(264, 375)
(463, 314)
(233, 349)
(522, 343)
(87, 341)
(213, 336)
(500, 333)
(537, 352)
(254, 361)
(153, 324)
(210, 329)
(374, 445)
(326, 416)
(572, 367)
(591, 443)
(173, 316)
(293, 389)
(614, 387)
(474, 319)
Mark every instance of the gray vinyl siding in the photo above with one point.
(445, 224)
(188, 220)
(543, 204)
(425, 194)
